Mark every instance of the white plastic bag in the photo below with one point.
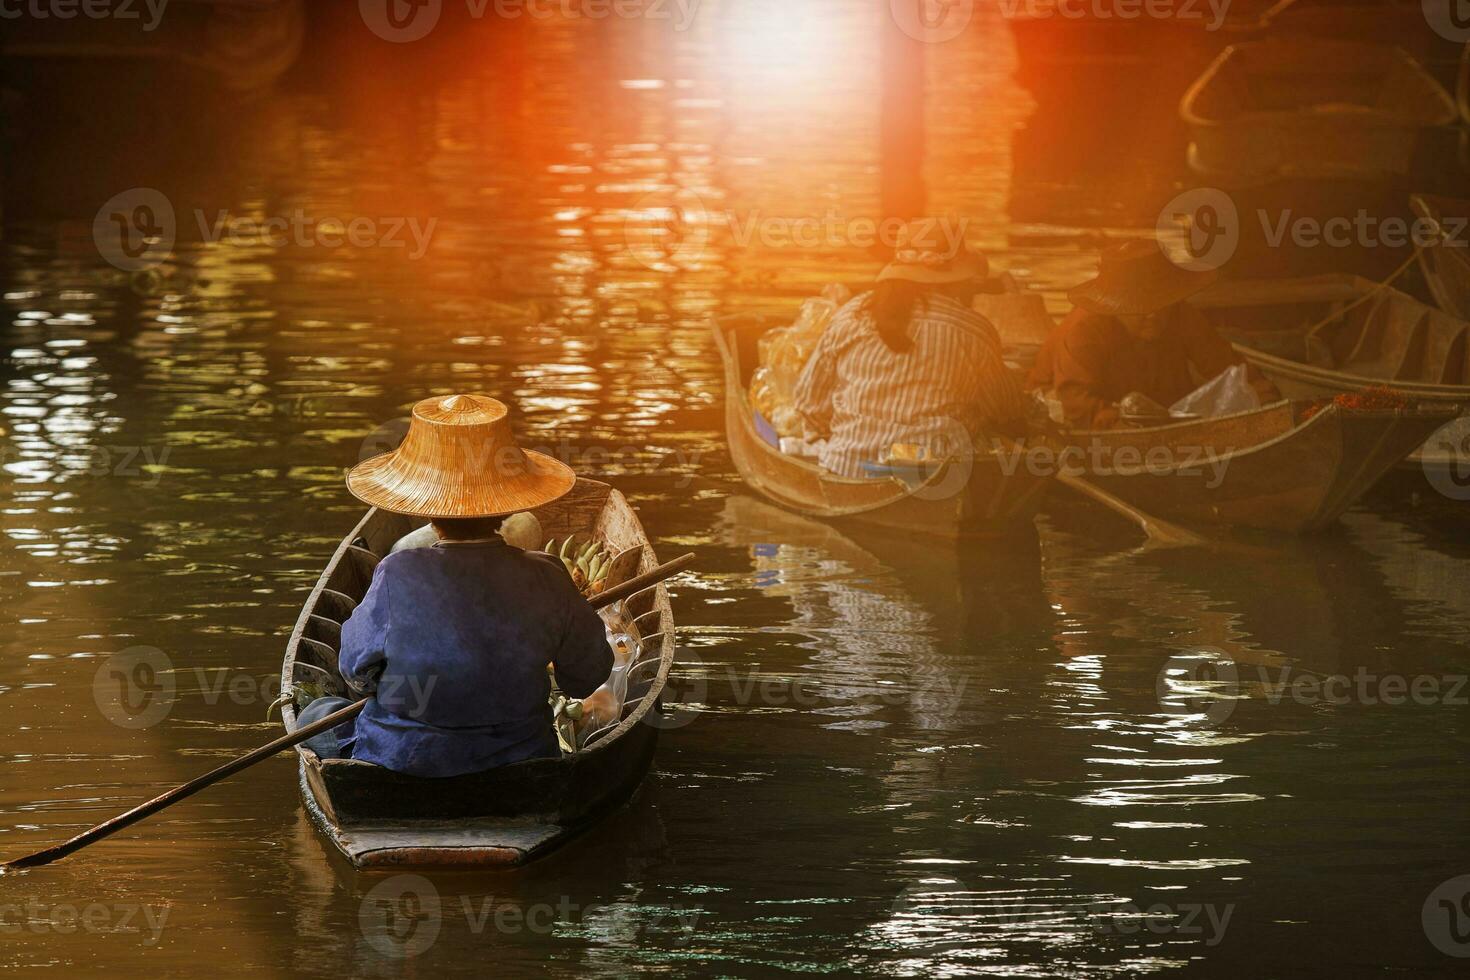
(1227, 394)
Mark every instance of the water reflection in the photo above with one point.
(906, 759)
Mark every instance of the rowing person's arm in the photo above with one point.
(582, 660)
(365, 637)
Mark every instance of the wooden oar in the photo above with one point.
(107, 829)
(1160, 533)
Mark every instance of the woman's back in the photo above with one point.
(949, 384)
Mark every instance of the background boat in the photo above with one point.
(981, 496)
(1311, 108)
(1323, 336)
(507, 816)
(1275, 468)
(242, 44)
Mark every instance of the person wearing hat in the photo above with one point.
(910, 363)
(454, 640)
(1133, 334)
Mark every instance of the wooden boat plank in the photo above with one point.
(464, 843)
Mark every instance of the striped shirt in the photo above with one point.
(950, 386)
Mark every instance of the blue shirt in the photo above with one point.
(454, 640)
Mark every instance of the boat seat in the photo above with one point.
(325, 631)
(316, 652)
(335, 605)
(354, 573)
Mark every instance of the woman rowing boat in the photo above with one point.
(454, 639)
(910, 363)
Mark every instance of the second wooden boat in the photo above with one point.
(1278, 468)
(1298, 107)
(379, 818)
(988, 495)
(1323, 336)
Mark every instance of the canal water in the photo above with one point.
(1061, 757)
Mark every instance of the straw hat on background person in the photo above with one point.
(1137, 279)
(460, 460)
(933, 251)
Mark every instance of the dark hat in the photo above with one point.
(1135, 279)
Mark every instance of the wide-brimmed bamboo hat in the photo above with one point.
(933, 251)
(460, 459)
(1135, 279)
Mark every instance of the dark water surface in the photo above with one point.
(894, 758)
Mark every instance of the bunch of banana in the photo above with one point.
(588, 565)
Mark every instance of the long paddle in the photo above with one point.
(1160, 533)
(605, 598)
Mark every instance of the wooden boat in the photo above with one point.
(1273, 468)
(1323, 336)
(1445, 261)
(380, 818)
(1301, 107)
(243, 44)
(985, 496)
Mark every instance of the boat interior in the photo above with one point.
(1347, 324)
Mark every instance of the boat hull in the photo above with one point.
(987, 496)
(1356, 111)
(1376, 335)
(1261, 469)
(508, 816)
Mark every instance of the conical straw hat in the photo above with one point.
(460, 459)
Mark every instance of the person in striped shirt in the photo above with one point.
(911, 363)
